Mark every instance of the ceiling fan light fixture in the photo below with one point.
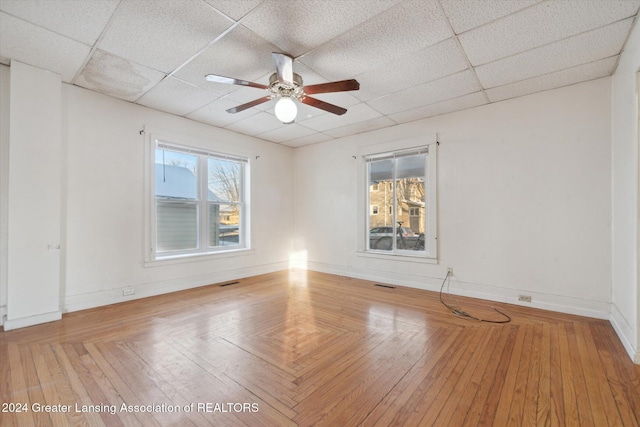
(286, 109)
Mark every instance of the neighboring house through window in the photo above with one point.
(406, 224)
(199, 204)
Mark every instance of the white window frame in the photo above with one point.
(430, 254)
(375, 209)
(189, 146)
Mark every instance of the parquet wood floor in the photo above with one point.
(312, 349)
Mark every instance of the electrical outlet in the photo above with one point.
(525, 298)
(450, 271)
(128, 291)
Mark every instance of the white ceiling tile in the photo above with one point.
(342, 99)
(361, 127)
(176, 97)
(456, 104)
(305, 111)
(255, 124)
(162, 34)
(308, 140)
(81, 21)
(41, 48)
(117, 77)
(581, 73)
(541, 24)
(415, 68)
(465, 15)
(296, 27)
(429, 93)
(587, 47)
(215, 113)
(234, 9)
(286, 133)
(355, 114)
(248, 94)
(240, 54)
(407, 27)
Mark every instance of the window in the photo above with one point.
(374, 208)
(198, 201)
(406, 226)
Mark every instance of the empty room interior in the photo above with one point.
(338, 212)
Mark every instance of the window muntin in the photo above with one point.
(199, 201)
(401, 179)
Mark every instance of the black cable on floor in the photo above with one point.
(459, 312)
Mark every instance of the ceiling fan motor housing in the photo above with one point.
(283, 89)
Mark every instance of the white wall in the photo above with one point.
(4, 185)
(103, 220)
(34, 197)
(625, 315)
(524, 201)
(104, 203)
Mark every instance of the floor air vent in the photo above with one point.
(229, 284)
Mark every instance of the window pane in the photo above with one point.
(224, 225)
(177, 226)
(381, 197)
(410, 199)
(175, 175)
(224, 180)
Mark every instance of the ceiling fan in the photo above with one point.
(285, 85)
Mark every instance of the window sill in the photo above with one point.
(401, 257)
(209, 256)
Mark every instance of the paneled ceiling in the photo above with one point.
(413, 58)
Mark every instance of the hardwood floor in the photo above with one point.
(291, 348)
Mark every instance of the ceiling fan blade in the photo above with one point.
(232, 81)
(284, 68)
(323, 105)
(341, 86)
(249, 105)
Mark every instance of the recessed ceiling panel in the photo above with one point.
(407, 27)
(356, 113)
(176, 97)
(41, 48)
(589, 71)
(314, 138)
(444, 107)
(591, 46)
(80, 20)
(429, 93)
(286, 133)
(117, 77)
(162, 34)
(415, 68)
(215, 113)
(465, 15)
(361, 127)
(251, 60)
(240, 54)
(296, 27)
(541, 24)
(257, 123)
(234, 9)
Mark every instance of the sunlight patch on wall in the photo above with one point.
(298, 267)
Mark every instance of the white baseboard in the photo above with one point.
(3, 313)
(23, 322)
(624, 331)
(558, 303)
(88, 300)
